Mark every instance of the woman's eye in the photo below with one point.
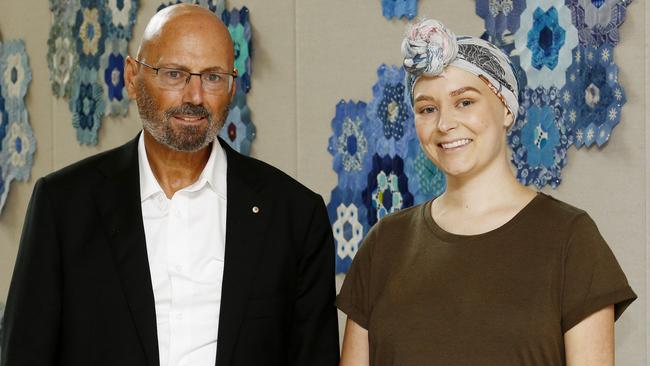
(465, 103)
(427, 110)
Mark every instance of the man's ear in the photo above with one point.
(130, 72)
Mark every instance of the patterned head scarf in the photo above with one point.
(429, 47)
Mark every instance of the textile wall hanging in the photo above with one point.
(380, 165)
(238, 130)
(87, 47)
(17, 143)
(399, 8)
(569, 89)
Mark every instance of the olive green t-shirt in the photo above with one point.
(505, 297)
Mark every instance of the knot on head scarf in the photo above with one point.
(429, 47)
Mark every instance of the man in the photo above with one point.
(173, 249)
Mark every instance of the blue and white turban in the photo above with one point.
(429, 47)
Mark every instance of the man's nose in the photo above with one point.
(193, 92)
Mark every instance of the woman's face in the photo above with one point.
(460, 122)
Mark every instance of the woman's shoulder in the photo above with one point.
(553, 209)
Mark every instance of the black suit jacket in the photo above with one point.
(81, 290)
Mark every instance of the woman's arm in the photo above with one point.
(590, 342)
(355, 345)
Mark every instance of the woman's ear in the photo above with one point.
(509, 119)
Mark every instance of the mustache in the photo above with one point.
(188, 109)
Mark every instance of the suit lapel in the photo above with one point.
(248, 213)
(119, 204)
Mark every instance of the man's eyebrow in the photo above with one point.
(462, 90)
(185, 68)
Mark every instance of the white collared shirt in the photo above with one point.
(186, 238)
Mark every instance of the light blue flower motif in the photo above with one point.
(544, 42)
(351, 145)
(387, 190)
(111, 72)
(500, 15)
(64, 11)
(120, 17)
(15, 74)
(18, 146)
(87, 106)
(399, 8)
(61, 57)
(426, 181)
(592, 97)
(598, 21)
(90, 25)
(238, 130)
(240, 31)
(390, 113)
(539, 139)
(348, 216)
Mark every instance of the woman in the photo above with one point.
(491, 272)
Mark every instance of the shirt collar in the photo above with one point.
(214, 173)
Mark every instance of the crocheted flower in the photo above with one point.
(90, 26)
(387, 189)
(399, 8)
(598, 21)
(240, 32)
(87, 106)
(351, 145)
(15, 73)
(19, 146)
(425, 180)
(544, 42)
(111, 72)
(238, 130)
(428, 47)
(391, 117)
(120, 17)
(539, 139)
(348, 216)
(61, 58)
(592, 96)
(500, 15)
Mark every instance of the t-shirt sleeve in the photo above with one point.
(593, 279)
(354, 297)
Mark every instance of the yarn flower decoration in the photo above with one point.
(593, 97)
(90, 26)
(348, 216)
(240, 32)
(544, 43)
(387, 190)
(18, 147)
(500, 15)
(239, 131)
(598, 21)
(111, 72)
(87, 106)
(120, 17)
(61, 58)
(351, 145)
(399, 8)
(15, 73)
(391, 118)
(539, 140)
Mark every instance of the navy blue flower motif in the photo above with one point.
(425, 180)
(238, 130)
(593, 98)
(351, 145)
(347, 214)
(111, 72)
(240, 31)
(546, 38)
(18, 147)
(500, 16)
(399, 8)
(539, 139)
(91, 28)
(598, 21)
(387, 190)
(390, 114)
(87, 106)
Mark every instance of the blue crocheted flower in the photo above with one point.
(18, 146)
(15, 74)
(111, 72)
(348, 216)
(61, 57)
(91, 28)
(539, 139)
(399, 8)
(390, 114)
(238, 130)
(544, 42)
(87, 106)
(425, 180)
(593, 98)
(387, 190)
(351, 145)
(598, 21)
(240, 32)
(500, 15)
(120, 17)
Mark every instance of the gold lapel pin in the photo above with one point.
(256, 209)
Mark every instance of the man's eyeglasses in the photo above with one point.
(211, 81)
